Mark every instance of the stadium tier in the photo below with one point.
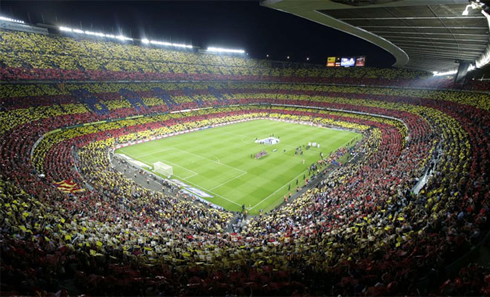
(68, 216)
(29, 56)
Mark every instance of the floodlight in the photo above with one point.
(78, 31)
(164, 43)
(225, 50)
(66, 29)
(121, 37)
(483, 60)
(145, 41)
(157, 42)
(474, 4)
(181, 45)
(436, 73)
(11, 20)
(94, 33)
(110, 36)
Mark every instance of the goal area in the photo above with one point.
(163, 169)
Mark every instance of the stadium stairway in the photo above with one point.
(217, 94)
(162, 94)
(189, 94)
(133, 98)
(226, 90)
(87, 98)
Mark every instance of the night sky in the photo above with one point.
(234, 24)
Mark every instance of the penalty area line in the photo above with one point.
(241, 174)
(270, 195)
(209, 191)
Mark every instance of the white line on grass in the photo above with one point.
(242, 174)
(242, 139)
(195, 173)
(206, 190)
(218, 160)
(277, 190)
(289, 182)
(155, 152)
(210, 160)
(234, 134)
(192, 175)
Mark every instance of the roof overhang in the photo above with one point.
(430, 35)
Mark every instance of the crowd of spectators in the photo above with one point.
(29, 56)
(359, 232)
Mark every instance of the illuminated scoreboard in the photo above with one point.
(346, 61)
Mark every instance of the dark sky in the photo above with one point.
(235, 24)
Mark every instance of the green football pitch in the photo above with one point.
(221, 161)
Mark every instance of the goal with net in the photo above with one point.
(163, 169)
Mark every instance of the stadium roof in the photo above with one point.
(428, 35)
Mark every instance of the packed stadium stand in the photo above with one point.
(71, 223)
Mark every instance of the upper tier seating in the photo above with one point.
(29, 56)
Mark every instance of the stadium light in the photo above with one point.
(92, 33)
(225, 50)
(470, 68)
(145, 41)
(123, 38)
(307, 58)
(484, 59)
(2, 18)
(65, 29)
(267, 55)
(436, 73)
(99, 34)
(181, 45)
(287, 57)
(475, 4)
(164, 43)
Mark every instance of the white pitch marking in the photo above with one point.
(154, 152)
(210, 160)
(277, 190)
(286, 184)
(185, 168)
(206, 190)
(242, 174)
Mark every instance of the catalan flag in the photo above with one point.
(68, 186)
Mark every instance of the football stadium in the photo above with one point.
(135, 166)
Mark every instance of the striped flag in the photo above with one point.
(68, 186)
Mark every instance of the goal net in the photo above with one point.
(163, 169)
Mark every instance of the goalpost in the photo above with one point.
(162, 168)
